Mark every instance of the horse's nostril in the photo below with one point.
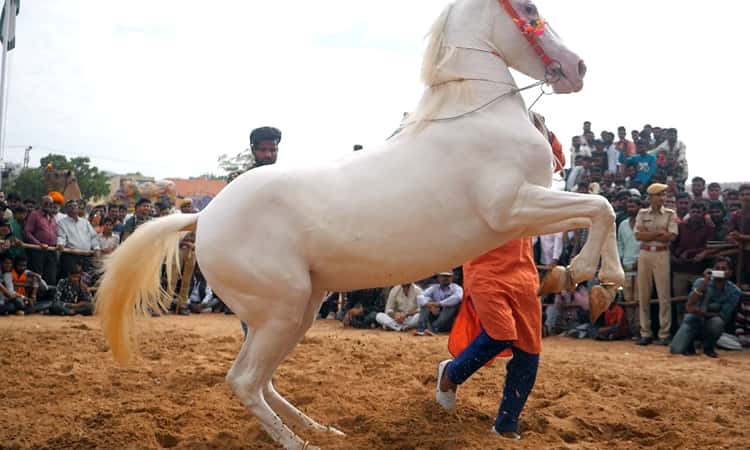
(581, 68)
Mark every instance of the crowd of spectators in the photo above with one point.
(50, 252)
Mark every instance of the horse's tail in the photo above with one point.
(132, 278)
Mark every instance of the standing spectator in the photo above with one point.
(551, 246)
(697, 188)
(718, 216)
(629, 249)
(710, 307)
(645, 164)
(186, 207)
(739, 231)
(714, 192)
(574, 173)
(41, 229)
(619, 204)
(625, 146)
(401, 309)
(577, 148)
(675, 149)
(689, 252)
(108, 240)
(75, 233)
(610, 150)
(439, 305)
(13, 200)
(655, 228)
(143, 213)
(72, 296)
(683, 205)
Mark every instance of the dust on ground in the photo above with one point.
(62, 390)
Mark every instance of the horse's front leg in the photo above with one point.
(538, 211)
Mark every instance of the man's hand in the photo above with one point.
(44, 246)
(97, 253)
(434, 308)
(399, 317)
(60, 247)
(700, 256)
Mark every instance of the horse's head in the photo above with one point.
(524, 39)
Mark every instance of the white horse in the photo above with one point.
(468, 173)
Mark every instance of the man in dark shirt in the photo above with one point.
(739, 231)
(72, 296)
(688, 251)
(361, 308)
(143, 210)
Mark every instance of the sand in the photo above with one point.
(61, 390)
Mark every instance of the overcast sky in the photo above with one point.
(164, 87)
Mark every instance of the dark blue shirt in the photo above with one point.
(727, 298)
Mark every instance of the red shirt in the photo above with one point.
(40, 228)
(616, 315)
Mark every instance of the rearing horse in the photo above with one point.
(468, 173)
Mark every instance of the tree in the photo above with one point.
(240, 162)
(91, 181)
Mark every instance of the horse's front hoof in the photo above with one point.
(600, 299)
(554, 281)
(336, 432)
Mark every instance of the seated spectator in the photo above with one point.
(201, 299)
(742, 322)
(401, 308)
(8, 244)
(570, 310)
(108, 240)
(330, 306)
(361, 308)
(688, 250)
(710, 308)
(614, 325)
(28, 285)
(75, 233)
(72, 296)
(11, 302)
(439, 306)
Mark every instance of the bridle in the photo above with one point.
(530, 30)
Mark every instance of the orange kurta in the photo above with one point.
(500, 292)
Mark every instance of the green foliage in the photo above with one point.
(92, 182)
(29, 184)
(241, 161)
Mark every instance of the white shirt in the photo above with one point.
(77, 233)
(450, 296)
(552, 246)
(398, 301)
(613, 155)
(680, 149)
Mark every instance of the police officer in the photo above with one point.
(655, 228)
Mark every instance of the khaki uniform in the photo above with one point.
(653, 263)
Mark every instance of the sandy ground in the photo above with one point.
(61, 390)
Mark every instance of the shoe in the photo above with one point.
(644, 341)
(20, 313)
(512, 435)
(446, 399)
(710, 353)
(664, 342)
(429, 333)
(418, 333)
(331, 316)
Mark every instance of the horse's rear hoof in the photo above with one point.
(336, 432)
(554, 281)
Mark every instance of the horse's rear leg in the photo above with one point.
(267, 345)
(290, 414)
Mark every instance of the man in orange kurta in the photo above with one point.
(501, 315)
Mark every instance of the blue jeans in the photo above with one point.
(697, 327)
(519, 379)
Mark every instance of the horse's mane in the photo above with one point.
(435, 77)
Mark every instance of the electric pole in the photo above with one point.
(26, 157)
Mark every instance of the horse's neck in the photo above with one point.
(477, 63)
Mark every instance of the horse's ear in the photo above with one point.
(67, 173)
